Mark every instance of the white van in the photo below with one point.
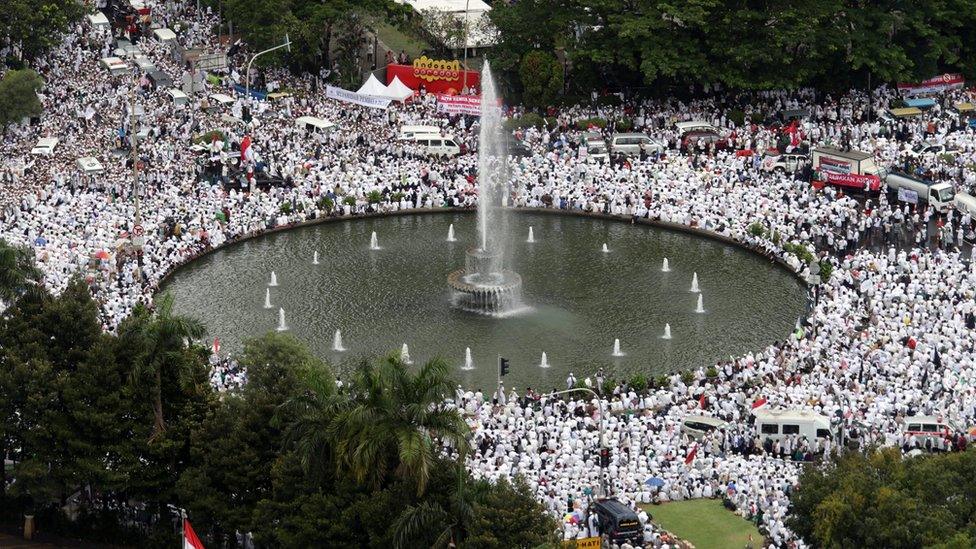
(697, 426)
(408, 132)
(438, 145)
(778, 424)
(694, 125)
(314, 123)
(930, 427)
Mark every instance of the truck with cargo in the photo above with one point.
(851, 170)
(912, 190)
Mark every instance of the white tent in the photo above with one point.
(398, 91)
(165, 35)
(373, 87)
(98, 19)
(90, 164)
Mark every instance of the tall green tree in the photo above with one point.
(162, 339)
(33, 26)
(542, 78)
(18, 274)
(395, 422)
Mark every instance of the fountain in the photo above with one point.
(667, 332)
(450, 234)
(267, 298)
(605, 249)
(545, 361)
(281, 320)
(373, 243)
(337, 342)
(616, 348)
(405, 354)
(485, 285)
(468, 361)
(315, 257)
(700, 308)
(694, 283)
(665, 268)
(531, 238)
(274, 280)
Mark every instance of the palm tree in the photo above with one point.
(162, 338)
(308, 417)
(447, 525)
(394, 420)
(18, 274)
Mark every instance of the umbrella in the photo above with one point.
(654, 482)
(101, 254)
(40, 241)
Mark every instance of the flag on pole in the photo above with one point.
(216, 346)
(691, 454)
(246, 152)
(701, 401)
(190, 539)
(759, 403)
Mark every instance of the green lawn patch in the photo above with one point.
(705, 523)
(397, 40)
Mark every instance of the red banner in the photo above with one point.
(948, 81)
(435, 76)
(854, 181)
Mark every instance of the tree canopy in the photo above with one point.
(883, 500)
(745, 45)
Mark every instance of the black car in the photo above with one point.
(617, 522)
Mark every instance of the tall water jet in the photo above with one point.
(605, 249)
(274, 280)
(315, 257)
(373, 242)
(616, 348)
(267, 298)
(486, 285)
(694, 283)
(531, 238)
(468, 361)
(281, 320)
(664, 267)
(337, 342)
(545, 361)
(450, 234)
(667, 332)
(701, 307)
(405, 354)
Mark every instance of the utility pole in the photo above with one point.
(465, 46)
(136, 238)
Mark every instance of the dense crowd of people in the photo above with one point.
(890, 334)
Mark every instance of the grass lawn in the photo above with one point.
(705, 523)
(397, 40)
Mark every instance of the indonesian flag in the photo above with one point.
(190, 539)
(701, 401)
(246, 152)
(759, 403)
(691, 455)
(216, 346)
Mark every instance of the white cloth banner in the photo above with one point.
(347, 96)
(907, 195)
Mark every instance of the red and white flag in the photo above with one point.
(216, 346)
(190, 539)
(701, 401)
(691, 454)
(759, 403)
(246, 152)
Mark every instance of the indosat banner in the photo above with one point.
(435, 75)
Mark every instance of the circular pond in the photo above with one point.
(579, 298)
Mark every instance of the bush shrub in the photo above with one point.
(325, 204)
(711, 372)
(374, 197)
(625, 125)
(527, 120)
(638, 382)
(286, 208)
(737, 117)
(757, 229)
(349, 201)
(687, 377)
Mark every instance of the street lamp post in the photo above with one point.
(603, 488)
(247, 75)
(136, 238)
(465, 45)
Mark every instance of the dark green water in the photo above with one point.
(580, 299)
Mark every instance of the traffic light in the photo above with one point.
(604, 456)
(503, 366)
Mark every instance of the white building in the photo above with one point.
(480, 34)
